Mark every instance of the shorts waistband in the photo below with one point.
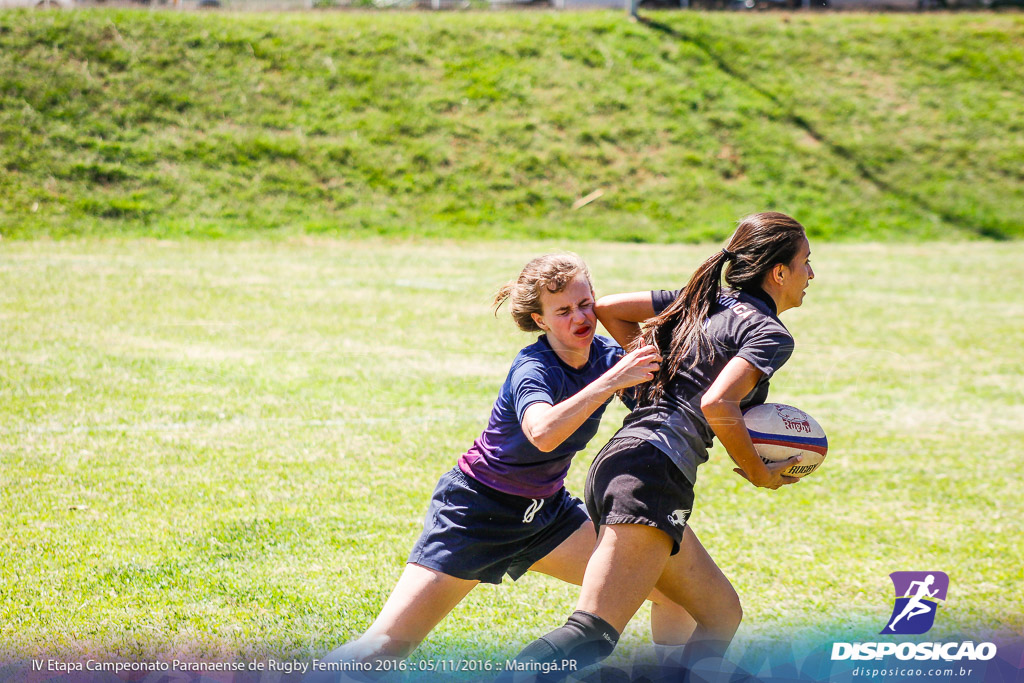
(493, 493)
(629, 439)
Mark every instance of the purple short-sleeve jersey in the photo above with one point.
(502, 457)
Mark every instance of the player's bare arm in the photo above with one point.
(547, 426)
(621, 314)
(721, 406)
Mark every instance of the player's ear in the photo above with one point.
(539, 320)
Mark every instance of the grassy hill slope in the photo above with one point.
(494, 124)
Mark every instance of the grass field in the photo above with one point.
(493, 125)
(225, 449)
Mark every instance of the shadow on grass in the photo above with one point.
(987, 231)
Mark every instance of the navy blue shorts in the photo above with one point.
(474, 532)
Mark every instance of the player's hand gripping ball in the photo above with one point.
(780, 431)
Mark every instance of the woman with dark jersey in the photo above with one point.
(721, 346)
(504, 508)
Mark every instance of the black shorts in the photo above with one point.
(632, 482)
(474, 532)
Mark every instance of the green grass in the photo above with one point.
(491, 125)
(226, 450)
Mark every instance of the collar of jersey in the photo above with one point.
(757, 293)
(544, 339)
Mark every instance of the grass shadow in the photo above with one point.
(986, 231)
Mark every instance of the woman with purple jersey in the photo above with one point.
(504, 508)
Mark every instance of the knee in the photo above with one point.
(727, 620)
(737, 616)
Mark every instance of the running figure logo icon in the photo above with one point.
(917, 596)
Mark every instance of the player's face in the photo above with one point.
(797, 275)
(568, 316)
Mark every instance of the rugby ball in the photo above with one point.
(780, 431)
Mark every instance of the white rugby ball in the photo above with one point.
(780, 431)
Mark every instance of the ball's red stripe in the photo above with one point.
(821, 450)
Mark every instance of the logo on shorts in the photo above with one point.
(535, 506)
(917, 596)
(679, 517)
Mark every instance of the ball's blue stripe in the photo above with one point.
(820, 441)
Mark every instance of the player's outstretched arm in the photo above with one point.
(547, 426)
(621, 314)
(721, 406)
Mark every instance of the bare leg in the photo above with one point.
(692, 579)
(623, 571)
(630, 560)
(620, 575)
(420, 600)
(670, 623)
(568, 561)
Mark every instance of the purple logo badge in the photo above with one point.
(917, 596)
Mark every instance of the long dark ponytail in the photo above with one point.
(761, 241)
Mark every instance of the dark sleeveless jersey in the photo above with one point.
(742, 324)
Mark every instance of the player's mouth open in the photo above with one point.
(583, 331)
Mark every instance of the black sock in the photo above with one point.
(585, 639)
